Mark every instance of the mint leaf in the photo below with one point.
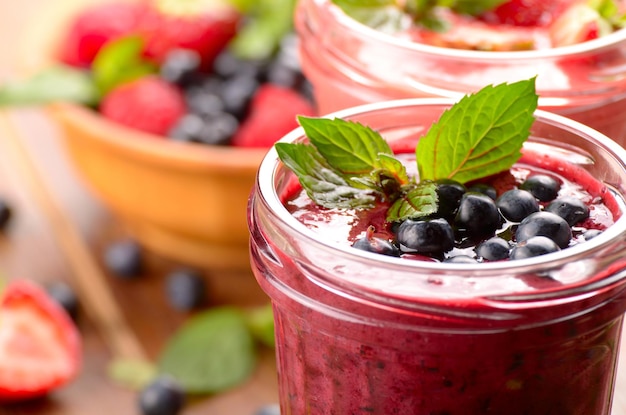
(211, 352)
(120, 61)
(133, 374)
(260, 322)
(322, 184)
(382, 15)
(54, 84)
(421, 200)
(480, 135)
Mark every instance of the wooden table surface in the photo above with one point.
(36, 247)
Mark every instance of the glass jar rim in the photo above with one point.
(271, 163)
(593, 45)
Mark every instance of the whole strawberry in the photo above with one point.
(148, 104)
(272, 114)
(97, 25)
(204, 26)
(526, 12)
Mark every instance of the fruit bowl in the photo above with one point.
(184, 201)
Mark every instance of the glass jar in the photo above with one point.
(350, 64)
(360, 333)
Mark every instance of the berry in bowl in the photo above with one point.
(166, 110)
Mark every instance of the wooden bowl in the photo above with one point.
(184, 201)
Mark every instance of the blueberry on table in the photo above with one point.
(542, 186)
(477, 216)
(164, 396)
(493, 249)
(65, 296)
(516, 204)
(431, 236)
(185, 289)
(534, 246)
(449, 193)
(545, 224)
(572, 209)
(124, 258)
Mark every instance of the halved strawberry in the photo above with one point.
(205, 26)
(579, 23)
(97, 25)
(272, 114)
(40, 346)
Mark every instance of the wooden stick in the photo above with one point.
(95, 293)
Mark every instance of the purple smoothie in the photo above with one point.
(359, 333)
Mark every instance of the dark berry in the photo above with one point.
(477, 216)
(449, 193)
(591, 233)
(272, 409)
(485, 189)
(543, 187)
(460, 259)
(163, 396)
(572, 209)
(433, 236)
(236, 95)
(124, 258)
(376, 245)
(283, 74)
(544, 224)
(227, 66)
(65, 296)
(185, 289)
(516, 204)
(6, 213)
(203, 102)
(493, 249)
(180, 66)
(534, 246)
(216, 129)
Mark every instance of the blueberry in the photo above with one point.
(65, 296)
(493, 249)
(281, 73)
(572, 209)
(544, 224)
(449, 193)
(426, 236)
(591, 233)
(203, 102)
(534, 246)
(485, 189)
(180, 66)
(163, 396)
(477, 216)
(376, 245)
(124, 258)
(227, 65)
(185, 289)
(216, 129)
(272, 409)
(6, 213)
(236, 95)
(460, 259)
(516, 204)
(542, 186)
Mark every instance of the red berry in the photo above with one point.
(206, 32)
(526, 12)
(272, 114)
(148, 104)
(40, 345)
(97, 25)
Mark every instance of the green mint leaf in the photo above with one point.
(479, 136)
(211, 352)
(120, 61)
(132, 374)
(475, 7)
(383, 15)
(54, 84)
(322, 184)
(260, 321)
(421, 200)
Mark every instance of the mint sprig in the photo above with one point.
(349, 165)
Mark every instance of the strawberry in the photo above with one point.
(272, 114)
(148, 104)
(97, 25)
(579, 23)
(205, 26)
(39, 344)
(526, 12)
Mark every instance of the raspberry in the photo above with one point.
(272, 114)
(97, 25)
(148, 104)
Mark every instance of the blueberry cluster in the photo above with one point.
(218, 99)
(473, 224)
